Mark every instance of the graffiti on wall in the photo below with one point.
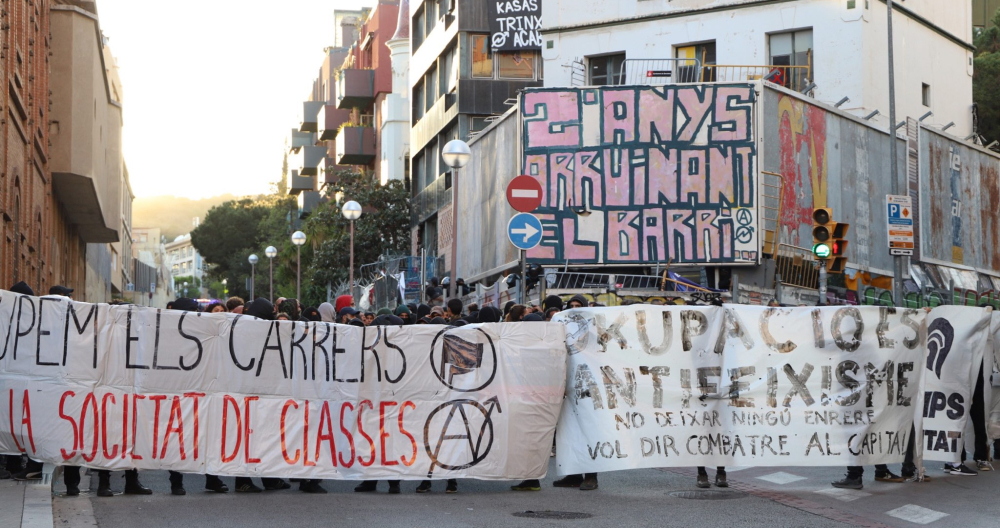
(638, 174)
(802, 136)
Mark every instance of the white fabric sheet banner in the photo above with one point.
(654, 386)
(118, 387)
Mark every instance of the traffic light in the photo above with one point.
(822, 233)
(838, 248)
(534, 274)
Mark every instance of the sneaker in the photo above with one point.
(72, 491)
(394, 488)
(528, 485)
(889, 476)
(848, 483)
(311, 487)
(960, 469)
(248, 488)
(452, 486)
(27, 475)
(216, 485)
(424, 487)
(278, 485)
(589, 482)
(178, 491)
(983, 465)
(569, 481)
(916, 478)
(720, 480)
(703, 482)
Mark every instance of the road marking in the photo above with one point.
(781, 478)
(523, 193)
(844, 494)
(916, 514)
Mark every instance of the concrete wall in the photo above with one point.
(849, 45)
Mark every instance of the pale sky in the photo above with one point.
(213, 87)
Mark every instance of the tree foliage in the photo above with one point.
(235, 229)
(986, 80)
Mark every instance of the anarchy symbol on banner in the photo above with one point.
(469, 412)
(499, 39)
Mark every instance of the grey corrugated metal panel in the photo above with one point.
(483, 210)
(473, 16)
(809, 142)
(956, 177)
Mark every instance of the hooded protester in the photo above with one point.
(343, 302)
(356, 322)
(327, 313)
(533, 317)
(291, 308)
(453, 309)
(577, 301)
(383, 311)
(22, 288)
(312, 314)
(438, 321)
(552, 301)
(472, 318)
(260, 308)
(212, 482)
(403, 312)
(489, 314)
(423, 311)
(433, 292)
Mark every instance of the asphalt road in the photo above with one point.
(772, 497)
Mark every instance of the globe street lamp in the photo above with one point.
(351, 211)
(253, 274)
(298, 238)
(456, 154)
(271, 252)
(225, 288)
(185, 289)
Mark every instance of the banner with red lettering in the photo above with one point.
(656, 386)
(118, 387)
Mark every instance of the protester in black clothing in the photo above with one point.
(433, 292)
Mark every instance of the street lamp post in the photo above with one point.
(185, 289)
(351, 211)
(225, 288)
(271, 252)
(456, 154)
(298, 238)
(253, 274)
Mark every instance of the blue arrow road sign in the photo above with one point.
(524, 231)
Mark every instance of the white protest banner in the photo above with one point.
(956, 342)
(118, 387)
(652, 386)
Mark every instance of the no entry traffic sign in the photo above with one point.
(524, 194)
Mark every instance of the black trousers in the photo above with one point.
(177, 479)
(977, 413)
(855, 472)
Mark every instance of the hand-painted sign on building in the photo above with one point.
(639, 174)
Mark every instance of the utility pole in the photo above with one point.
(897, 261)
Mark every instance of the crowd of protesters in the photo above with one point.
(436, 312)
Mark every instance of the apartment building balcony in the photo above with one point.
(310, 109)
(300, 139)
(297, 183)
(356, 145)
(308, 202)
(355, 88)
(329, 120)
(307, 160)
